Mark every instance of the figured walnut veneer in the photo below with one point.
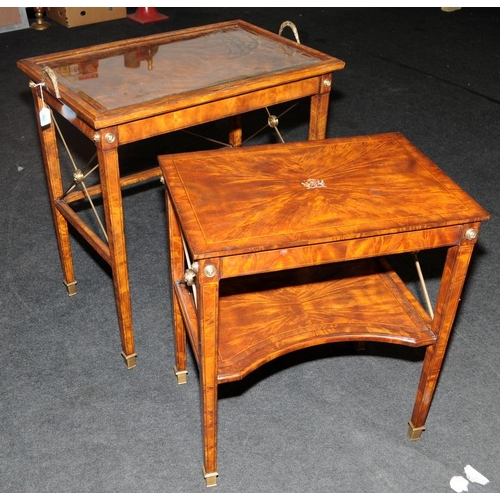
(288, 246)
(122, 92)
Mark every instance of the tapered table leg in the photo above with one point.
(107, 153)
(177, 270)
(208, 297)
(51, 162)
(319, 111)
(454, 273)
(235, 131)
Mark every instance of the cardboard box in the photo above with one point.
(79, 16)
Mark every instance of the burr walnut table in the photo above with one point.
(122, 92)
(281, 247)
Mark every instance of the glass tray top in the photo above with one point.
(149, 71)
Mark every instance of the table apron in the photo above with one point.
(206, 112)
(323, 253)
(69, 115)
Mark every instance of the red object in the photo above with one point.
(145, 15)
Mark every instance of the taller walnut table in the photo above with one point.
(281, 247)
(122, 92)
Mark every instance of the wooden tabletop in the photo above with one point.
(235, 201)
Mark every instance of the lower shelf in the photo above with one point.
(262, 317)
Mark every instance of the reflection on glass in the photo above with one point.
(149, 72)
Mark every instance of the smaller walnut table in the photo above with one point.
(281, 247)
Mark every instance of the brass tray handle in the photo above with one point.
(52, 77)
(289, 24)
